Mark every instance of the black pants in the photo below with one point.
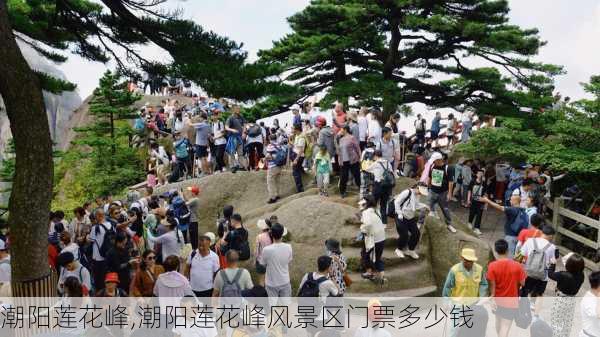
(475, 213)
(98, 273)
(367, 258)
(297, 171)
(255, 153)
(193, 234)
(362, 145)
(346, 169)
(405, 227)
(205, 293)
(382, 195)
(219, 155)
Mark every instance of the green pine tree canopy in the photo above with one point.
(393, 52)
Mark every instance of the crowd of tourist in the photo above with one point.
(151, 245)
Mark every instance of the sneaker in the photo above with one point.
(412, 254)
(477, 231)
(272, 201)
(470, 226)
(451, 229)
(399, 253)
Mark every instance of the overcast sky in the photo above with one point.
(571, 28)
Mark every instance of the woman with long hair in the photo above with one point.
(373, 231)
(146, 275)
(568, 283)
(172, 241)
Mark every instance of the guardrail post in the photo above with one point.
(556, 222)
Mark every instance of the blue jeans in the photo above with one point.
(512, 244)
(440, 199)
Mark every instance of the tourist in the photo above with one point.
(389, 148)
(538, 254)
(203, 133)
(349, 159)
(505, 277)
(353, 124)
(465, 282)
(451, 129)
(326, 138)
(5, 275)
(237, 239)
(363, 127)
(536, 222)
(420, 129)
(276, 159)
(440, 188)
(383, 182)
(476, 192)
(68, 245)
(524, 191)
(392, 123)
(180, 145)
(366, 178)
(97, 236)
(119, 261)
(373, 230)
(549, 179)
(146, 275)
(296, 118)
(201, 267)
(298, 149)
(219, 141)
(568, 283)
(338, 117)
(326, 286)
(263, 239)
(467, 177)
(516, 220)
(171, 283)
(467, 125)
(374, 126)
(277, 258)
(170, 242)
(231, 281)
(254, 144)
(162, 162)
(112, 288)
(72, 267)
(338, 265)
(434, 131)
(502, 174)
(81, 225)
(235, 145)
(407, 208)
(590, 308)
(323, 168)
(193, 204)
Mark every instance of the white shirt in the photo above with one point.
(202, 270)
(374, 130)
(373, 227)
(363, 128)
(326, 288)
(377, 169)
(5, 269)
(219, 133)
(169, 243)
(73, 248)
(277, 257)
(411, 204)
(541, 243)
(97, 239)
(81, 273)
(523, 194)
(590, 321)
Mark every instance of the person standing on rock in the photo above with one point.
(407, 208)
(373, 230)
(440, 188)
(300, 144)
(338, 264)
(384, 180)
(274, 167)
(235, 145)
(277, 258)
(349, 156)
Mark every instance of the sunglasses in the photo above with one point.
(150, 258)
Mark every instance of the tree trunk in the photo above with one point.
(390, 106)
(31, 195)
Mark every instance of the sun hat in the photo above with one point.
(262, 224)
(212, 237)
(468, 254)
(111, 277)
(436, 156)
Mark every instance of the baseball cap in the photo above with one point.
(111, 277)
(436, 156)
(195, 189)
(295, 107)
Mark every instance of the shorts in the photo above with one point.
(507, 313)
(201, 151)
(535, 287)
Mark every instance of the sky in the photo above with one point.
(572, 32)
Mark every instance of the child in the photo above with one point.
(476, 191)
(151, 178)
(366, 178)
(322, 168)
(531, 208)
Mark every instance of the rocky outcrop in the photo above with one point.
(310, 219)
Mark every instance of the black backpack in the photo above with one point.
(109, 239)
(310, 288)
(254, 131)
(391, 206)
(388, 180)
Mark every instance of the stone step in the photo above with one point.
(390, 259)
(405, 293)
(406, 277)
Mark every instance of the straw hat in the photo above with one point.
(468, 254)
(212, 237)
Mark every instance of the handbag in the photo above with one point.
(347, 280)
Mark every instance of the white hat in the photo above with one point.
(262, 224)
(295, 107)
(2, 245)
(436, 156)
(212, 237)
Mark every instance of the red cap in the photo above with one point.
(194, 189)
(111, 277)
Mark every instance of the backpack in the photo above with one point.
(524, 317)
(139, 124)
(172, 82)
(109, 239)
(535, 265)
(181, 149)
(280, 155)
(231, 289)
(400, 212)
(388, 180)
(187, 83)
(183, 214)
(244, 248)
(254, 131)
(520, 222)
(310, 288)
(419, 126)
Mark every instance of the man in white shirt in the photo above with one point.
(276, 258)
(407, 208)
(4, 263)
(524, 191)
(590, 308)
(326, 286)
(363, 128)
(374, 127)
(99, 266)
(202, 265)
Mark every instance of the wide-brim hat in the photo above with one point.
(212, 237)
(468, 254)
(262, 224)
(111, 277)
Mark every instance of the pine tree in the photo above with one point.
(389, 53)
(114, 164)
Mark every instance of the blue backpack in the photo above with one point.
(181, 149)
(139, 125)
(182, 213)
(280, 155)
(521, 222)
